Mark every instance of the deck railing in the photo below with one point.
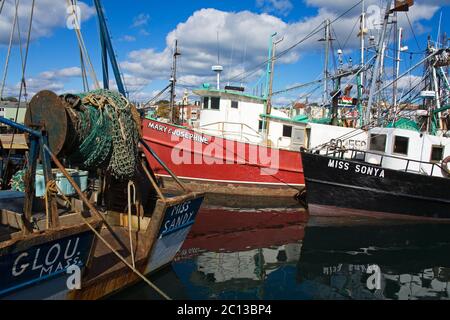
(361, 155)
(240, 133)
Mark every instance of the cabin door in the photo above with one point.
(298, 138)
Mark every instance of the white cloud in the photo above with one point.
(243, 40)
(48, 15)
(128, 38)
(140, 20)
(144, 32)
(408, 81)
(282, 7)
(62, 73)
(53, 80)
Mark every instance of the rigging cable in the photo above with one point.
(412, 30)
(82, 45)
(308, 36)
(1, 6)
(22, 83)
(5, 71)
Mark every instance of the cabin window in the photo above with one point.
(206, 103)
(378, 142)
(215, 103)
(437, 153)
(260, 126)
(287, 131)
(401, 145)
(234, 104)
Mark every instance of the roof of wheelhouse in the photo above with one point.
(228, 94)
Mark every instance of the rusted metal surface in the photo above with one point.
(47, 110)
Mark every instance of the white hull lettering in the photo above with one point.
(361, 169)
(178, 133)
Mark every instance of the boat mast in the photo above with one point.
(269, 79)
(360, 76)
(173, 81)
(325, 70)
(396, 57)
(397, 67)
(437, 106)
(379, 54)
(362, 33)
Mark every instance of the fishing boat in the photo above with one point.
(100, 222)
(409, 176)
(224, 166)
(405, 168)
(134, 229)
(34, 265)
(240, 146)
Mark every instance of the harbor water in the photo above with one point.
(287, 254)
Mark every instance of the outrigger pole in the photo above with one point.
(107, 49)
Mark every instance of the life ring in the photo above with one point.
(445, 167)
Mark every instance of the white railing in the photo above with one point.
(222, 131)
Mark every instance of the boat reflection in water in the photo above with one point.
(287, 255)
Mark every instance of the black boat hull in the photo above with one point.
(363, 188)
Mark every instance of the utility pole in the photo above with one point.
(173, 81)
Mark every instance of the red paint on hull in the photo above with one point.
(215, 159)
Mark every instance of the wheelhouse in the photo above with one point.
(416, 149)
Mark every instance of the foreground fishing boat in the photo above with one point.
(96, 235)
(404, 172)
(33, 265)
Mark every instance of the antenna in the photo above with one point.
(217, 68)
(439, 32)
(173, 81)
(218, 48)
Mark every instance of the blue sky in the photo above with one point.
(143, 34)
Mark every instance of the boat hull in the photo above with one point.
(155, 248)
(36, 268)
(333, 182)
(220, 166)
